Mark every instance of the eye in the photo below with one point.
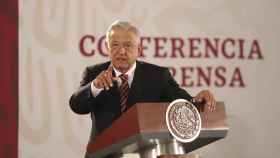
(115, 45)
(128, 46)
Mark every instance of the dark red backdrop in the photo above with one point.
(8, 78)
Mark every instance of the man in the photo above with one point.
(109, 89)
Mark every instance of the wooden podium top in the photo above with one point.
(144, 123)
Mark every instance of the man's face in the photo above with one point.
(123, 49)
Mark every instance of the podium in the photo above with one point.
(142, 129)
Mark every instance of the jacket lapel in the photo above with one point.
(112, 94)
(136, 86)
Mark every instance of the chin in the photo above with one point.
(123, 68)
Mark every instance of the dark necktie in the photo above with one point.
(124, 89)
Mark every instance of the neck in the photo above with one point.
(123, 70)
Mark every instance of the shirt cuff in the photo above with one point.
(95, 91)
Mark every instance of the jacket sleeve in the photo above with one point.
(82, 101)
(172, 90)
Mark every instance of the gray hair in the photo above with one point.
(123, 25)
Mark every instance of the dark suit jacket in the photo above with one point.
(151, 83)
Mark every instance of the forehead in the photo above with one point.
(123, 36)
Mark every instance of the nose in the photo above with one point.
(122, 50)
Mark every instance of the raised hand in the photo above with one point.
(105, 79)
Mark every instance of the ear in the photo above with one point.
(107, 49)
(140, 48)
(107, 46)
